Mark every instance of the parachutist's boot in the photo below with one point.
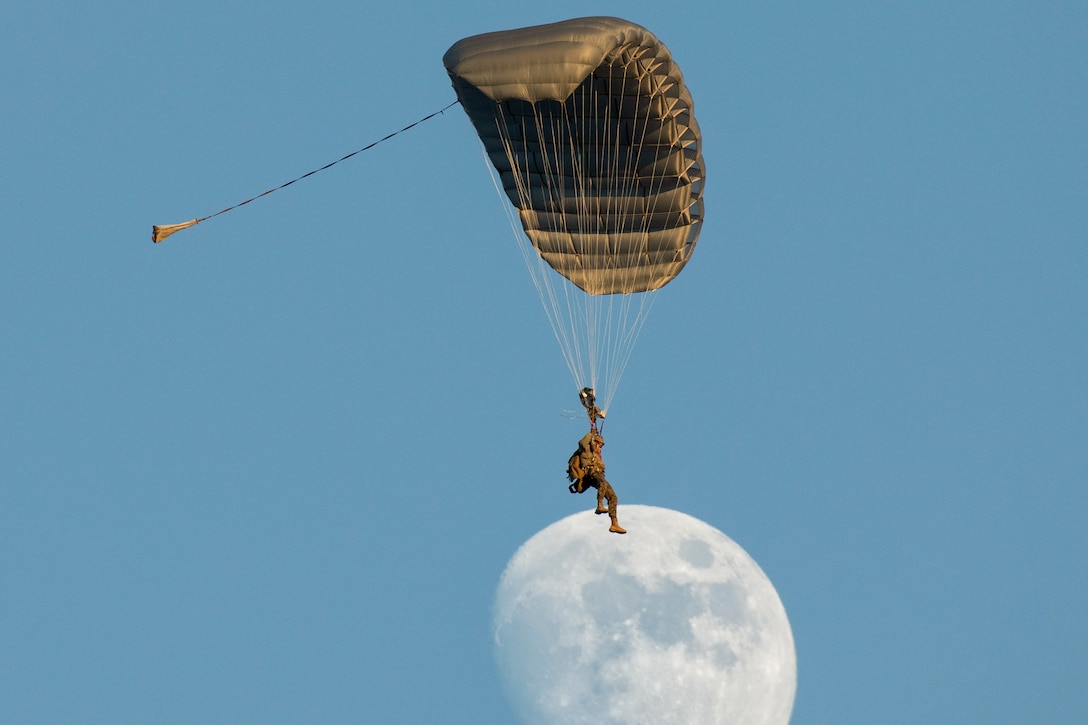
(615, 528)
(600, 506)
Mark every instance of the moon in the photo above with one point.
(672, 623)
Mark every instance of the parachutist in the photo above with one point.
(589, 402)
(585, 470)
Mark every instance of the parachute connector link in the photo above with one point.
(589, 402)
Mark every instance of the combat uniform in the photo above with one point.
(586, 470)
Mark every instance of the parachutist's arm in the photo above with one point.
(589, 402)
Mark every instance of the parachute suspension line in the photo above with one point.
(566, 306)
(571, 311)
(596, 333)
(535, 265)
(624, 324)
(161, 232)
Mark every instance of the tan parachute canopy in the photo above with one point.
(591, 130)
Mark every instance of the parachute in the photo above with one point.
(592, 136)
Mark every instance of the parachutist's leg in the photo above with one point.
(602, 487)
(607, 492)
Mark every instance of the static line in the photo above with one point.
(161, 232)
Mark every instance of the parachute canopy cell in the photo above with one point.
(592, 132)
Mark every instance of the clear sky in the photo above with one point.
(272, 469)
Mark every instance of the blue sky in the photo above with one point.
(271, 470)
